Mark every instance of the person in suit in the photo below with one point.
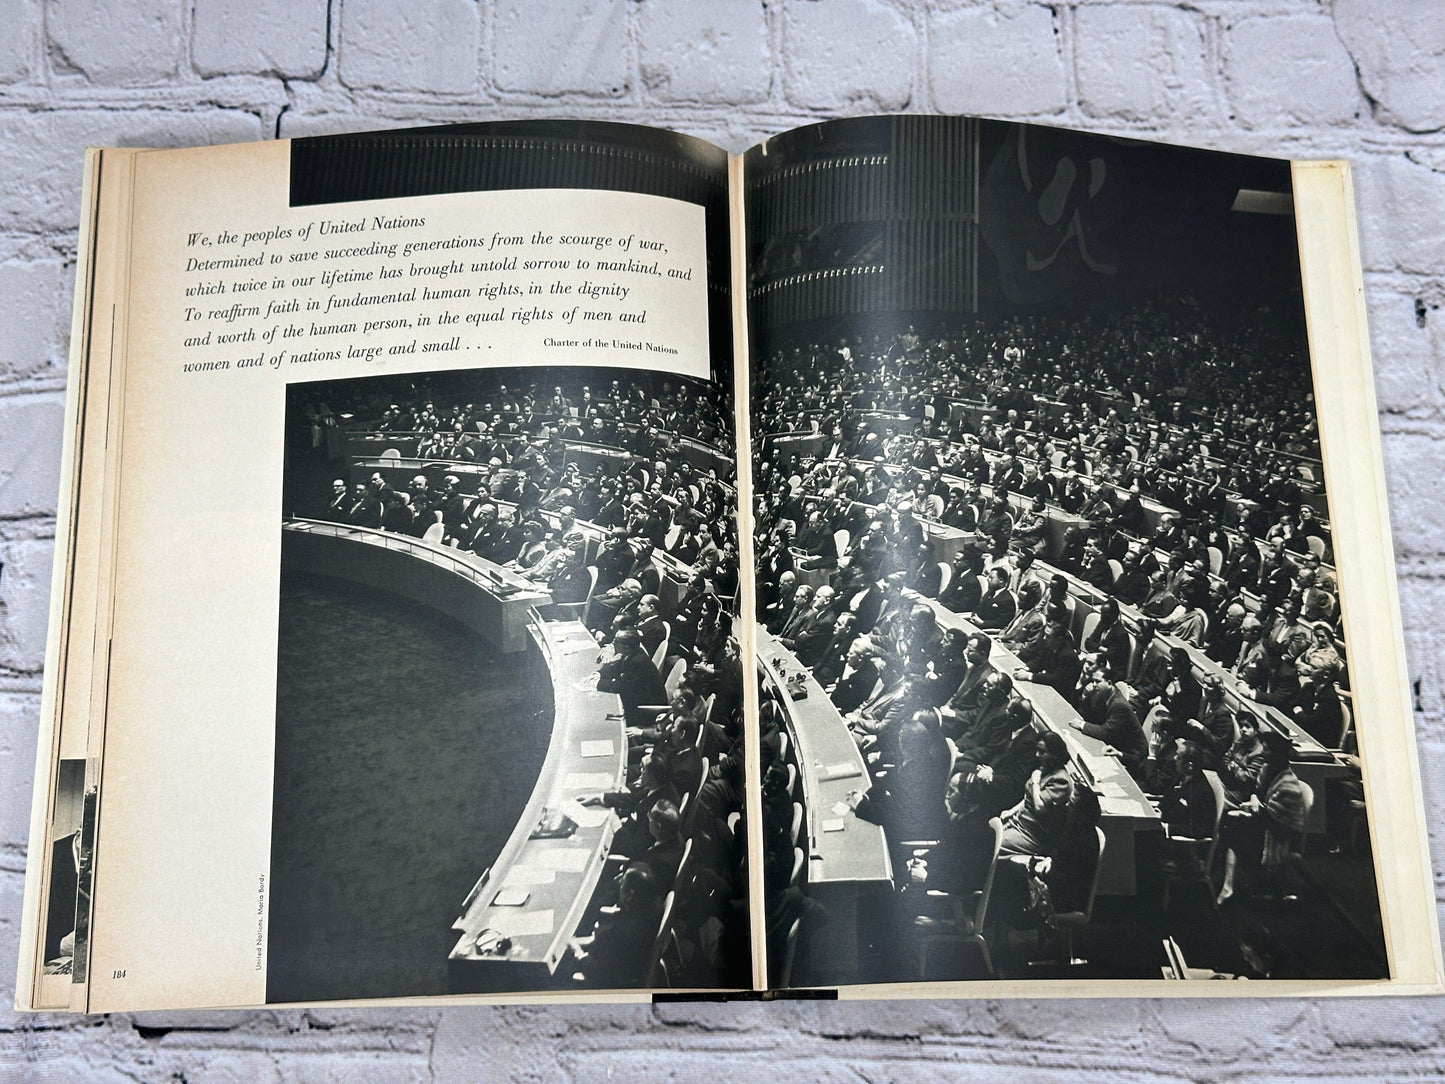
(631, 675)
(1109, 716)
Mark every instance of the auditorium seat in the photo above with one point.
(1193, 859)
(957, 926)
(1069, 922)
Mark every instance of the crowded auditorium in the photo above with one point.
(1053, 665)
(583, 522)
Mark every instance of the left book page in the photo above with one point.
(415, 570)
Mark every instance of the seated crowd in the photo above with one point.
(1175, 644)
(602, 541)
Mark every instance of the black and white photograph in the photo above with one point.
(72, 846)
(1053, 659)
(509, 746)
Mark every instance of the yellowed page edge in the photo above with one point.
(1359, 516)
(747, 614)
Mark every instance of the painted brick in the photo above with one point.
(1141, 64)
(12, 889)
(40, 172)
(19, 714)
(1407, 344)
(115, 42)
(848, 54)
(297, 125)
(427, 46)
(562, 47)
(1421, 601)
(24, 603)
(998, 60)
(1402, 220)
(287, 37)
(1399, 49)
(37, 295)
(19, 45)
(706, 51)
(515, 1044)
(1409, 1027)
(1113, 1024)
(1289, 70)
(1414, 465)
(1408, 347)
(1209, 1031)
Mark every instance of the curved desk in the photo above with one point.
(1124, 808)
(1313, 762)
(544, 885)
(847, 857)
(485, 597)
(830, 766)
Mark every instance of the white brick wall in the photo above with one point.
(1360, 78)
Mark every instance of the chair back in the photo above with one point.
(945, 576)
(684, 868)
(1347, 720)
(981, 914)
(790, 952)
(1216, 559)
(1216, 787)
(1094, 884)
(841, 538)
(661, 652)
(674, 676)
(656, 973)
(592, 571)
(435, 533)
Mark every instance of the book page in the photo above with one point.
(1076, 623)
(367, 679)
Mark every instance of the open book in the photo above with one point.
(920, 556)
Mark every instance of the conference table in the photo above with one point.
(518, 918)
(489, 599)
(1125, 809)
(1313, 762)
(672, 572)
(847, 857)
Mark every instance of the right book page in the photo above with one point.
(1079, 652)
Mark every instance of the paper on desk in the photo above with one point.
(833, 825)
(526, 876)
(1109, 789)
(590, 781)
(565, 859)
(842, 770)
(521, 923)
(841, 808)
(586, 816)
(600, 748)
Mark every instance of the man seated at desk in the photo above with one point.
(631, 675)
(1109, 716)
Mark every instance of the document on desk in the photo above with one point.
(527, 876)
(522, 923)
(599, 748)
(586, 816)
(565, 859)
(587, 781)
